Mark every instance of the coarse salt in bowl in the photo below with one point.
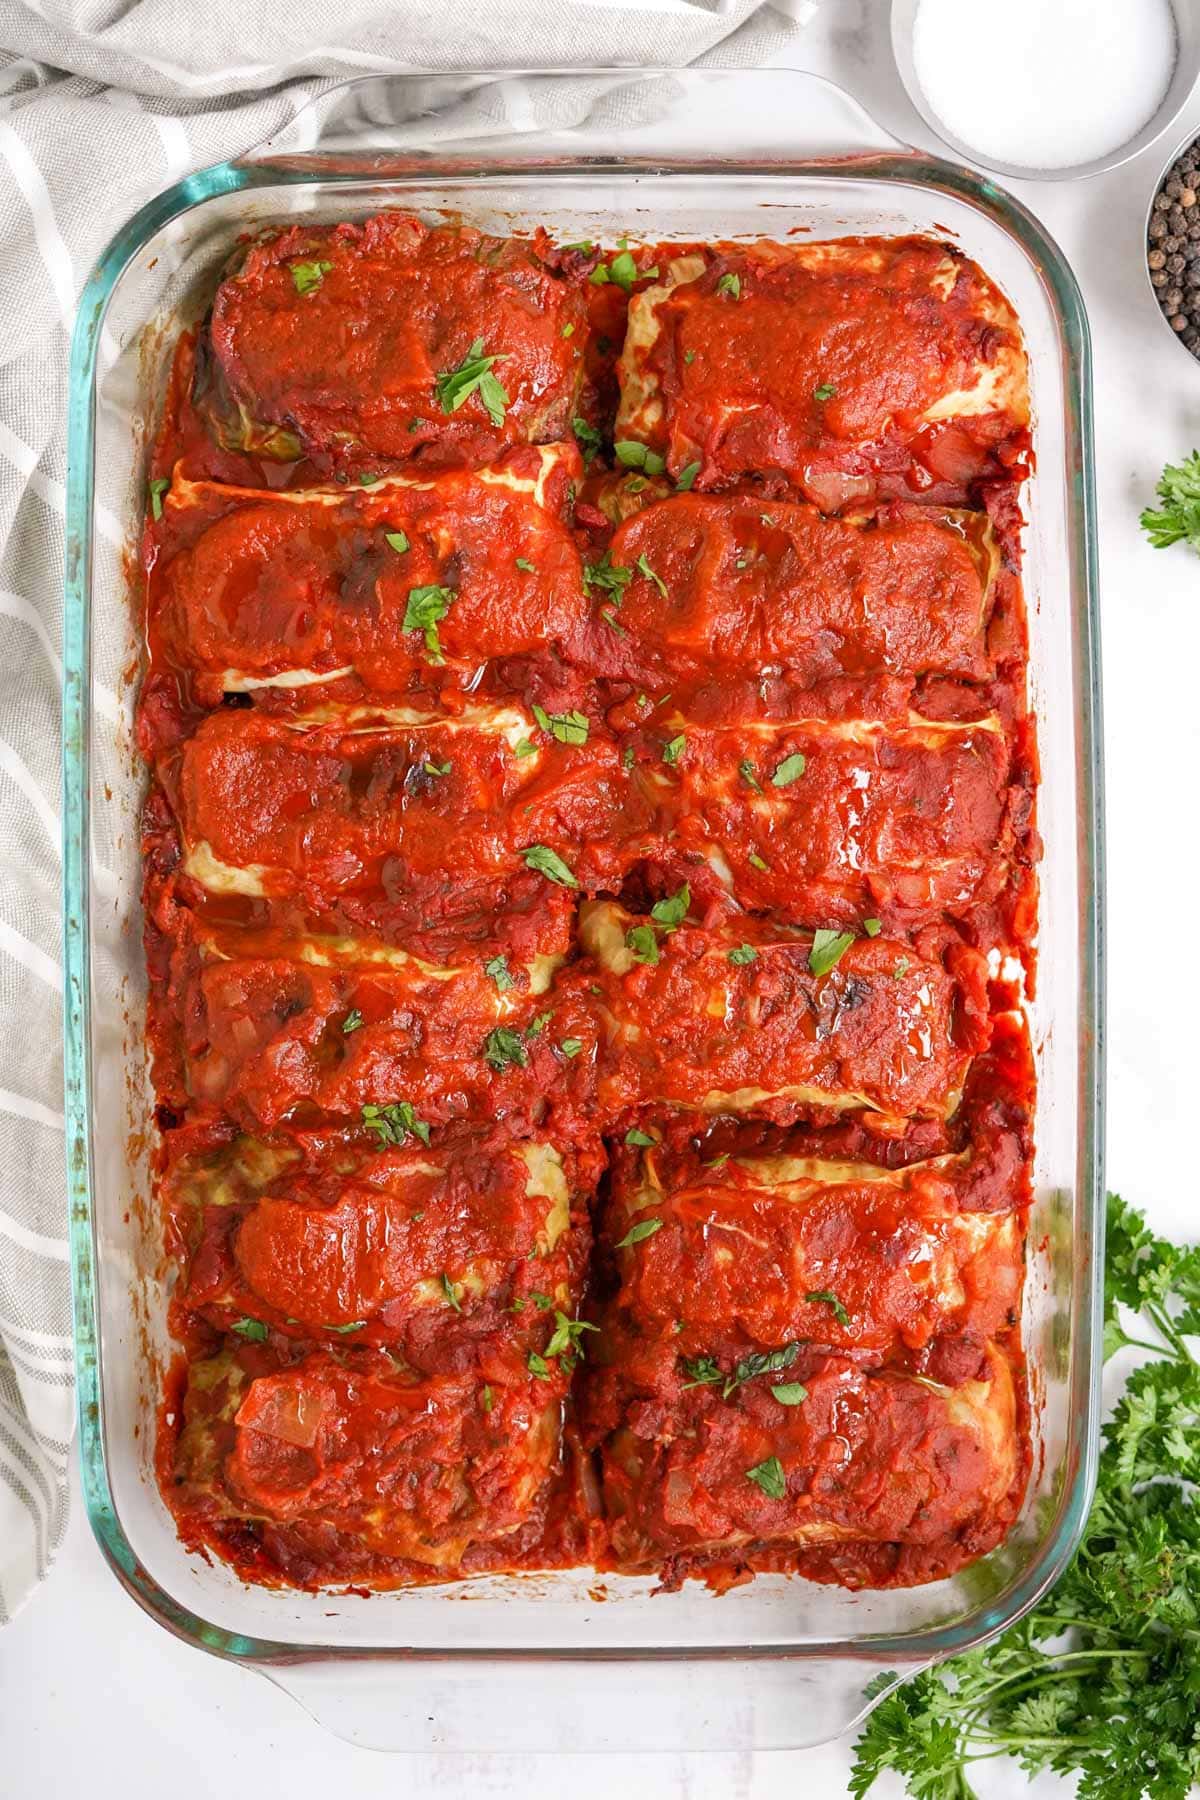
(1046, 89)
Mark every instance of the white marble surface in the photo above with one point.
(96, 1699)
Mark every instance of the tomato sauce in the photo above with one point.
(592, 805)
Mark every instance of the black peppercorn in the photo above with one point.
(1173, 248)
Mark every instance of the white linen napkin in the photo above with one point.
(102, 105)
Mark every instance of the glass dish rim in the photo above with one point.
(899, 166)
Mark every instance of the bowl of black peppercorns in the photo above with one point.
(1173, 246)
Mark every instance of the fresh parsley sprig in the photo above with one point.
(1102, 1680)
(1179, 516)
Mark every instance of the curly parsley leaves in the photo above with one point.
(1178, 518)
(1101, 1680)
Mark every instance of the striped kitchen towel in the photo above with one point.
(102, 105)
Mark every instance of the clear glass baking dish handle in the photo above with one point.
(506, 1706)
(381, 128)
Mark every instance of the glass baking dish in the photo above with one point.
(777, 1663)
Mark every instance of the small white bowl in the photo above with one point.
(1183, 79)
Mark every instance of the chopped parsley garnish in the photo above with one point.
(639, 1140)
(525, 566)
(632, 455)
(454, 386)
(686, 477)
(567, 1336)
(826, 391)
(345, 1330)
(369, 477)
(426, 606)
(157, 490)
(524, 747)
(397, 540)
(308, 275)
(610, 618)
(828, 949)
(671, 912)
(745, 953)
(504, 1048)
(718, 1162)
(901, 969)
(758, 862)
(539, 1024)
(672, 749)
(769, 1476)
(689, 357)
(568, 330)
(824, 1298)
(568, 727)
(609, 577)
(588, 439)
(872, 927)
(730, 284)
(643, 568)
(642, 944)
(622, 271)
(252, 1329)
(497, 971)
(537, 1365)
(627, 757)
(485, 1397)
(436, 770)
(638, 1233)
(702, 1371)
(760, 1362)
(543, 1302)
(571, 1046)
(790, 1393)
(790, 769)
(394, 1124)
(746, 771)
(549, 863)
(450, 1289)
(352, 1021)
